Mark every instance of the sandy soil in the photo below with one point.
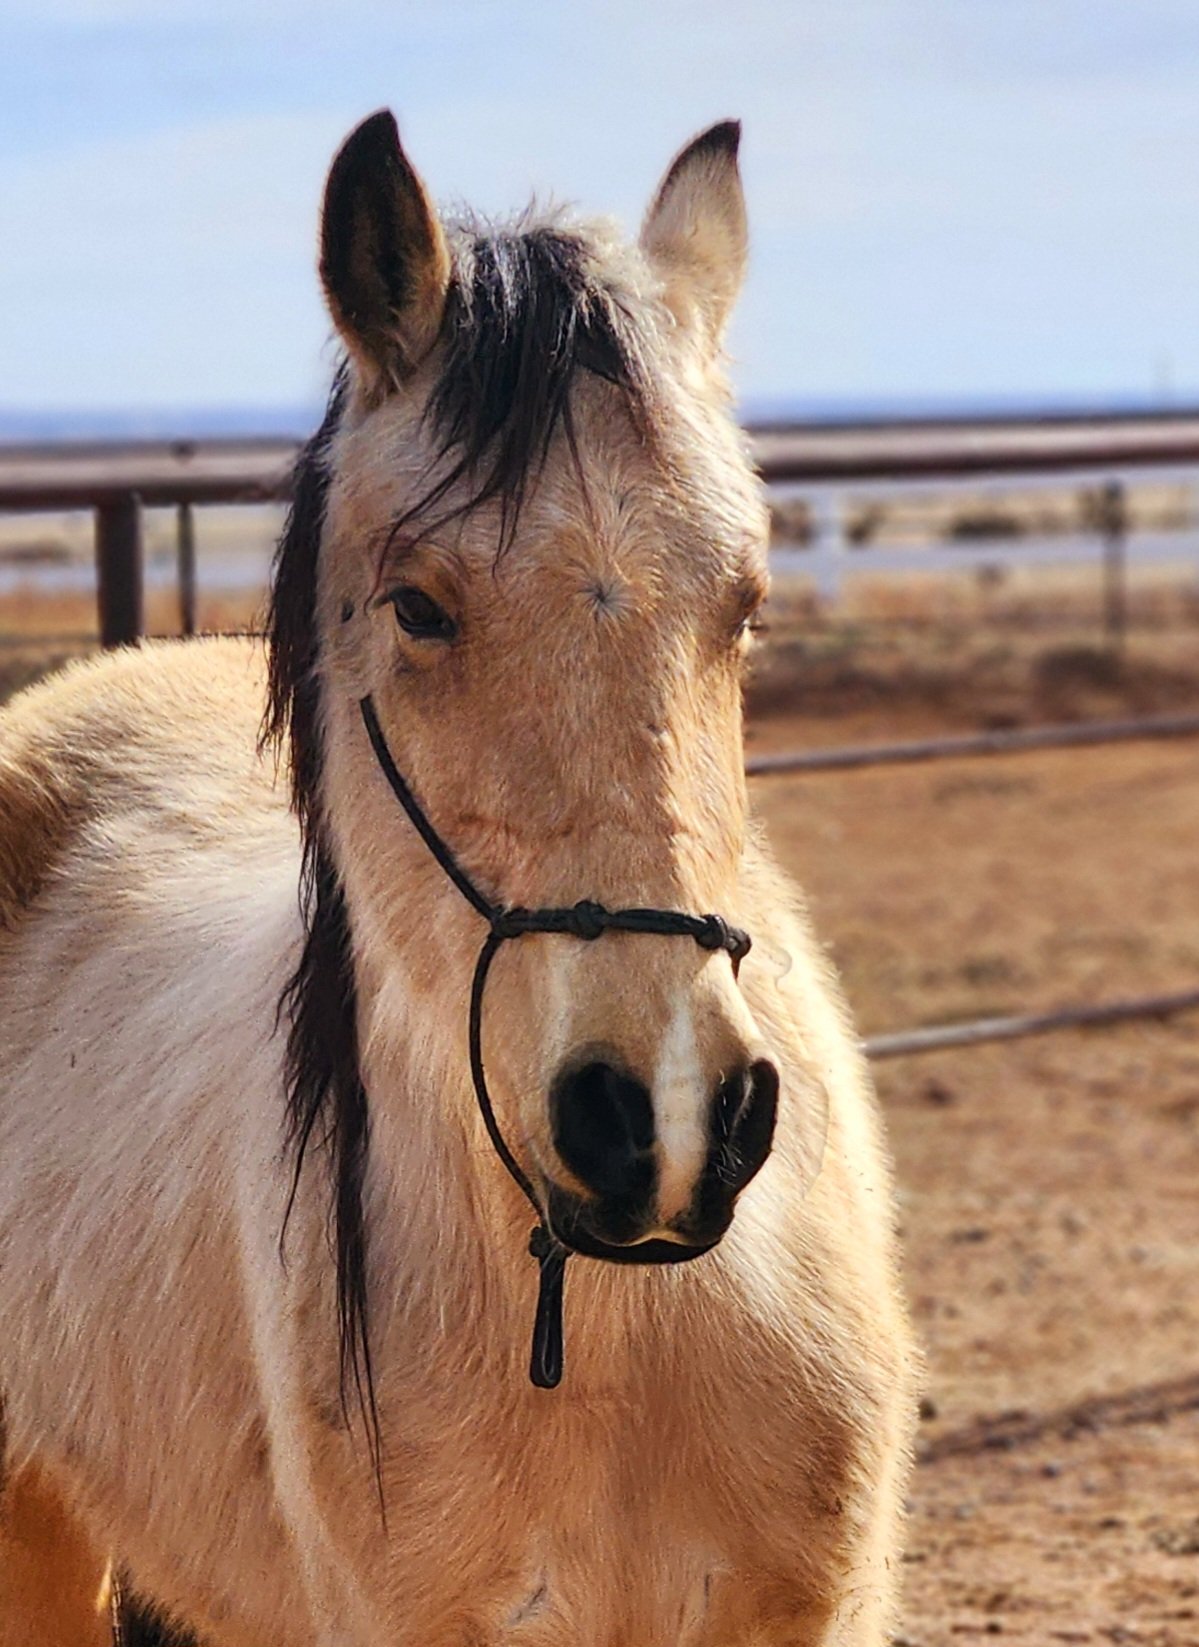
(1048, 1187)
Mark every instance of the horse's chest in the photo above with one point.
(619, 1540)
(598, 1583)
(612, 1595)
(664, 1587)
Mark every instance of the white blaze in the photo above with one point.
(680, 1114)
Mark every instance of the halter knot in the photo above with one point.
(714, 933)
(589, 919)
(510, 923)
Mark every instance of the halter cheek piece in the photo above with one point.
(582, 920)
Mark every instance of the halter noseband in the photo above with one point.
(584, 920)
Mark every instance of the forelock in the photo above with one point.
(530, 308)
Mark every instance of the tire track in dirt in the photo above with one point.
(1149, 1404)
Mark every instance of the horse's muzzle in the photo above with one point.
(603, 1128)
(569, 1219)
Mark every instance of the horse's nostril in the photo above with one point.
(743, 1119)
(603, 1128)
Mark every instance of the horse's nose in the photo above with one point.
(743, 1122)
(603, 1127)
(741, 1131)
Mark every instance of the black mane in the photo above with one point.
(527, 311)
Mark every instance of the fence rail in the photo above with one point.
(945, 450)
(939, 1037)
(117, 481)
(1017, 740)
(84, 475)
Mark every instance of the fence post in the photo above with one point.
(119, 568)
(828, 542)
(186, 532)
(1115, 563)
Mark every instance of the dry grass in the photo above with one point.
(960, 652)
(28, 615)
(39, 633)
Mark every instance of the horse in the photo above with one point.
(328, 964)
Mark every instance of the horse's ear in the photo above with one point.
(385, 265)
(695, 234)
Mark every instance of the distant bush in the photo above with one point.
(973, 524)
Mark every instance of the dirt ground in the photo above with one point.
(1049, 1188)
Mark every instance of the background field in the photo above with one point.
(1047, 1187)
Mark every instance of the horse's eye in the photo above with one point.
(420, 616)
(749, 621)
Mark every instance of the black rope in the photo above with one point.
(586, 920)
(417, 818)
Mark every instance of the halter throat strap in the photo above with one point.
(586, 920)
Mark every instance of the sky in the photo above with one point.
(951, 201)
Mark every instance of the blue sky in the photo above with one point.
(950, 199)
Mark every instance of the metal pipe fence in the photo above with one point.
(117, 481)
(1013, 741)
(1019, 1026)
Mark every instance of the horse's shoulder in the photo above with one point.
(80, 709)
(110, 733)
